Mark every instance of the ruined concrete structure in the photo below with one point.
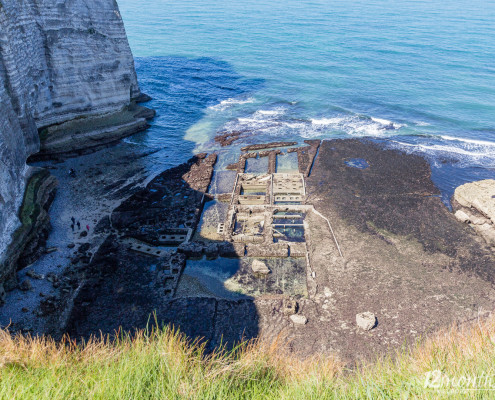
(244, 268)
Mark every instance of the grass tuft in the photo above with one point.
(164, 364)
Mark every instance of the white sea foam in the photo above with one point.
(327, 121)
(224, 104)
(274, 123)
(256, 121)
(271, 112)
(352, 125)
(471, 141)
(295, 125)
(482, 155)
(382, 121)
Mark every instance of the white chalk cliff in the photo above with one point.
(59, 60)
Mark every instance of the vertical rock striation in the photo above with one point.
(66, 76)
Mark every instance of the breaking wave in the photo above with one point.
(275, 122)
(224, 104)
(465, 152)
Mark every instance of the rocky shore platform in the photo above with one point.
(87, 134)
(386, 261)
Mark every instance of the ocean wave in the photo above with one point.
(355, 125)
(276, 123)
(224, 104)
(327, 121)
(256, 121)
(422, 123)
(275, 112)
(470, 141)
(464, 152)
(382, 121)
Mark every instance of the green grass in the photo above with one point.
(162, 364)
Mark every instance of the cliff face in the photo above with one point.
(60, 60)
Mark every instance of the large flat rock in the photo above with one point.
(479, 195)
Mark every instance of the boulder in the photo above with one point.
(259, 267)
(34, 275)
(290, 307)
(462, 216)
(366, 320)
(25, 285)
(478, 195)
(474, 203)
(51, 277)
(299, 319)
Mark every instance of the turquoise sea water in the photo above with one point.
(418, 74)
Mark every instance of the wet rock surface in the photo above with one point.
(261, 146)
(171, 200)
(406, 258)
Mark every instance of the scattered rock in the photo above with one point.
(34, 275)
(290, 307)
(259, 267)
(51, 277)
(299, 319)
(24, 309)
(84, 248)
(25, 285)
(71, 245)
(462, 216)
(51, 250)
(83, 234)
(366, 320)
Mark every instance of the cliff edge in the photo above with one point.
(67, 83)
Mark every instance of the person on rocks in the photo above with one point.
(78, 225)
(73, 220)
(87, 228)
(72, 227)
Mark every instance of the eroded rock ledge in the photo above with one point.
(87, 134)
